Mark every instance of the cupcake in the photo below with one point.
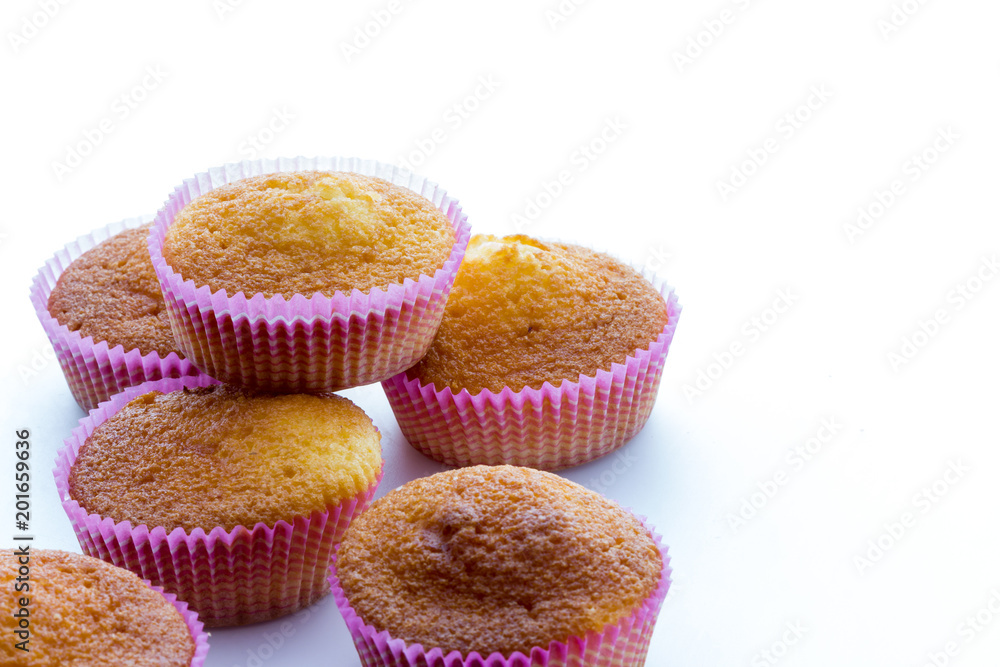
(499, 565)
(100, 304)
(83, 611)
(230, 499)
(548, 355)
(306, 275)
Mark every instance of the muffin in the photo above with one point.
(500, 560)
(316, 277)
(548, 355)
(101, 306)
(83, 611)
(303, 232)
(229, 498)
(111, 293)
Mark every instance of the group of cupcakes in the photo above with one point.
(218, 465)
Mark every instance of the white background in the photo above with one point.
(651, 194)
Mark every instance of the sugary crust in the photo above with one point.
(495, 558)
(306, 232)
(111, 293)
(523, 312)
(223, 456)
(85, 612)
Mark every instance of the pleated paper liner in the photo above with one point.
(309, 343)
(94, 371)
(548, 428)
(621, 644)
(196, 627)
(235, 577)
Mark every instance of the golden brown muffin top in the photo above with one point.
(87, 613)
(111, 293)
(224, 456)
(523, 312)
(495, 558)
(306, 232)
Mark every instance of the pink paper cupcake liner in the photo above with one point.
(548, 428)
(94, 371)
(244, 575)
(309, 343)
(190, 617)
(621, 644)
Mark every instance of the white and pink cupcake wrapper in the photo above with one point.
(197, 628)
(94, 371)
(309, 343)
(235, 577)
(548, 428)
(621, 644)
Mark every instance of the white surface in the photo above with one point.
(651, 196)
